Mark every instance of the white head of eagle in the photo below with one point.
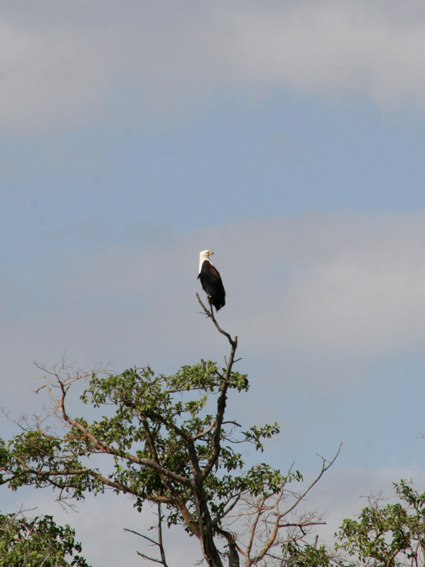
(211, 280)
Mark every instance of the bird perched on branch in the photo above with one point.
(211, 280)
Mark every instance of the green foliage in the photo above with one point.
(38, 541)
(388, 536)
(301, 555)
(381, 536)
(255, 434)
(163, 439)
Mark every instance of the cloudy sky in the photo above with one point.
(288, 137)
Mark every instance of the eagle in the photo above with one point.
(211, 280)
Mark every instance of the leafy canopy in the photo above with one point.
(37, 541)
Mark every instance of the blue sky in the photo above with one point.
(288, 137)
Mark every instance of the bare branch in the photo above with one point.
(269, 527)
(326, 465)
(159, 543)
(210, 314)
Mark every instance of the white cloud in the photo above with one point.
(340, 284)
(74, 64)
(332, 47)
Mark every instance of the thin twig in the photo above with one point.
(210, 314)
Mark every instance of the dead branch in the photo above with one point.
(268, 526)
(159, 544)
(210, 314)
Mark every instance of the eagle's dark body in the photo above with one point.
(211, 281)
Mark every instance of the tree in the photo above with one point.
(37, 541)
(166, 441)
(391, 535)
(388, 536)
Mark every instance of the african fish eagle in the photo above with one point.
(211, 280)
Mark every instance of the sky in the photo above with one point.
(289, 138)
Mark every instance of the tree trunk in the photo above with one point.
(209, 549)
(211, 554)
(233, 555)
